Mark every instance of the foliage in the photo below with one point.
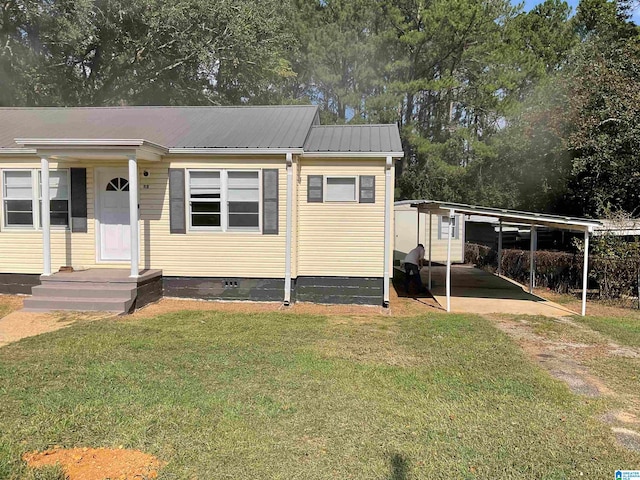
(615, 260)
(111, 52)
(532, 110)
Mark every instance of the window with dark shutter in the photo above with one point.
(314, 188)
(367, 189)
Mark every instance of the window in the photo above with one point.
(244, 200)
(18, 199)
(444, 227)
(224, 200)
(21, 192)
(205, 199)
(59, 195)
(340, 189)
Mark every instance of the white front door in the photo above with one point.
(114, 236)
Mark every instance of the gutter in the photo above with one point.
(388, 201)
(289, 232)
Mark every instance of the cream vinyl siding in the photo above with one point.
(207, 253)
(341, 238)
(21, 248)
(213, 254)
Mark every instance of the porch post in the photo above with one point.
(430, 235)
(45, 195)
(418, 226)
(500, 249)
(133, 215)
(585, 271)
(532, 258)
(450, 228)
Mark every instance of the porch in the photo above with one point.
(95, 289)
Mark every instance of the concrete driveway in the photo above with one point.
(476, 291)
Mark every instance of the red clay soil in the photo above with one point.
(98, 463)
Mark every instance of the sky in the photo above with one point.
(529, 4)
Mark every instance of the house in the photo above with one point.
(238, 203)
(412, 227)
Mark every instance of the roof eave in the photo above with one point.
(234, 151)
(353, 154)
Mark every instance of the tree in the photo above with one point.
(108, 52)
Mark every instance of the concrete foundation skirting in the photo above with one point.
(225, 288)
(344, 290)
(18, 283)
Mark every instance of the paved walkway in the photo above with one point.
(476, 291)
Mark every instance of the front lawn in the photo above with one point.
(284, 396)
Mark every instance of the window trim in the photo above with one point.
(224, 201)
(356, 193)
(35, 201)
(456, 227)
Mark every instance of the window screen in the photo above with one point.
(243, 197)
(204, 199)
(59, 196)
(340, 189)
(18, 198)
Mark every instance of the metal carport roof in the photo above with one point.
(512, 217)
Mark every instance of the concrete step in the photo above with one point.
(76, 304)
(81, 291)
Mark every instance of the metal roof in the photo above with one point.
(172, 127)
(354, 138)
(510, 216)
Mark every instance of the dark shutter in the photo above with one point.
(367, 189)
(270, 201)
(314, 188)
(177, 220)
(79, 200)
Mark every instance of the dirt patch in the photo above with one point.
(399, 307)
(559, 357)
(21, 324)
(10, 303)
(629, 439)
(98, 463)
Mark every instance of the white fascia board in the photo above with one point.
(18, 151)
(235, 151)
(89, 142)
(353, 154)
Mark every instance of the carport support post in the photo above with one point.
(585, 271)
(500, 249)
(450, 228)
(430, 235)
(418, 227)
(532, 259)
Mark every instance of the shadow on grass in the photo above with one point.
(399, 467)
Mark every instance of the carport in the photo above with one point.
(505, 217)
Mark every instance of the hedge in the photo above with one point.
(614, 278)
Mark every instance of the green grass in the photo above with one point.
(221, 395)
(625, 331)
